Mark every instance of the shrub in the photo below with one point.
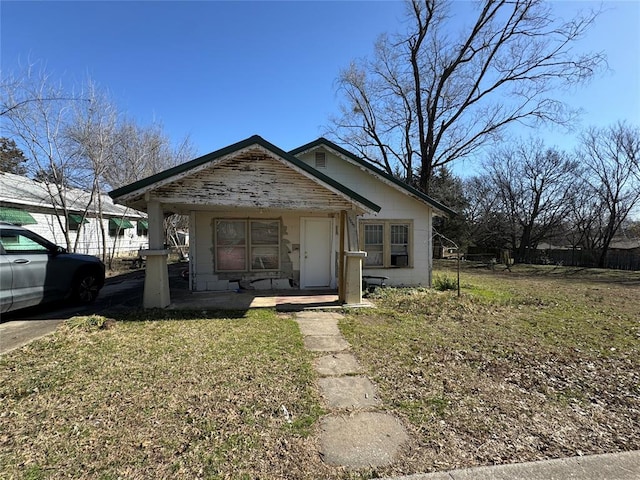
(444, 283)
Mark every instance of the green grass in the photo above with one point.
(181, 397)
(528, 364)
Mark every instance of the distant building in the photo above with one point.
(27, 202)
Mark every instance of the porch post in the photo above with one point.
(354, 259)
(342, 258)
(156, 279)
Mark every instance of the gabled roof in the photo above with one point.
(381, 174)
(28, 194)
(146, 184)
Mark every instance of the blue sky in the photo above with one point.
(223, 71)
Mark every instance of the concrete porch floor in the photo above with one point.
(287, 300)
(283, 300)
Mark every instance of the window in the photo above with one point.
(374, 244)
(19, 242)
(117, 226)
(75, 221)
(265, 245)
(142, 228)
(247, 245)
(399, 245)
(387, 243)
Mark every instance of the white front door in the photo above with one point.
(317, 257)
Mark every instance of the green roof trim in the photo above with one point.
(328, 143)
(254, 140)
(74, 217)
(16, 216)
(120, 223)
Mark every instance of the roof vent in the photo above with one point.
(321, 160)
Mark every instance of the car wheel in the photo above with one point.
(87, 287)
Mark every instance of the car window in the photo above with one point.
(16, 242)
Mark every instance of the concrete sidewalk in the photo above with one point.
(608, 466)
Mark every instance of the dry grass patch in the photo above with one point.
(182, 397)
(527, 365)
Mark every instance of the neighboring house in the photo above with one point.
(27, 202)
(260, 217)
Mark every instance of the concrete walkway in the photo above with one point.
(357, 433)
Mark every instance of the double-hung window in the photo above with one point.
(387, 243)
(247, 245)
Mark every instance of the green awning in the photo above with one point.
(16, 216)
(77, 218)
(120, 223)
(143, 224)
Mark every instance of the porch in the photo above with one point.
(291, 300)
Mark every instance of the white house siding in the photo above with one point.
(203, 273)
(395, 206)
(34, 197)
(90, 241)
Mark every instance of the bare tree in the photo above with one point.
(92, 133)
(488, 226)
(141, 151)
(534, 186)
(36, 113)
(610, 184)
(429, 97)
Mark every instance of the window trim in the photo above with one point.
(248, 245)
(386, 241)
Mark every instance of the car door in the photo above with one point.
(6, 279)
(28, 256)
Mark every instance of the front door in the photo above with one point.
(317, 256)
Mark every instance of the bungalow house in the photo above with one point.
(260, 217)
(29, 203)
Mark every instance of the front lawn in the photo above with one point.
(179, 397)
(541, 362)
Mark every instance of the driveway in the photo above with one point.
(21, 327)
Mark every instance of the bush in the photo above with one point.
(444, 283)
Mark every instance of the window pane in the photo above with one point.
(15, 242)
(265, 258)
(231, 253)
(265, 233)
(374, 244)
(230, 232)
(230, 259)
(373, 234)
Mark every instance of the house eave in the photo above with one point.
(439, 208)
